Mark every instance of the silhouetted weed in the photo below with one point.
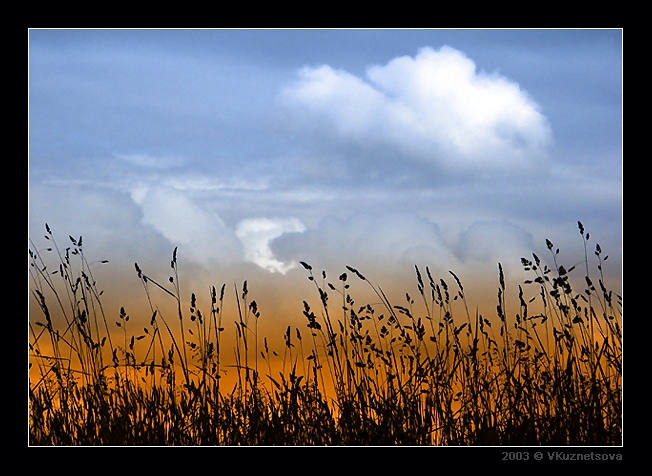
(426, 372)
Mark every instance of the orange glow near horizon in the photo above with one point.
(449, 350)
(279, 305)
(132, 317)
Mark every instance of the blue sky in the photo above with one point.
(254, 149)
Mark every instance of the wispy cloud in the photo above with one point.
(152, 162)
(205, 237)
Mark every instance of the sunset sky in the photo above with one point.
(252, 150)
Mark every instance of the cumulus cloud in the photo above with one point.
(256, 234)
(434, 108)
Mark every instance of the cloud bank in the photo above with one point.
(434, 109)
(378, 241)
(379, 170)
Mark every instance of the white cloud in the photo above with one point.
(434, 108)
(201, 234)
(256, 235)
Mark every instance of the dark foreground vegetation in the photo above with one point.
(428, 372)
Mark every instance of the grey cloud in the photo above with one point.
(494, 241)
(374, 241)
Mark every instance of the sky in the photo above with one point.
(253, 150)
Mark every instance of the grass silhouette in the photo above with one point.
(427, 372)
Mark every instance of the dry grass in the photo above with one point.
(427, 372)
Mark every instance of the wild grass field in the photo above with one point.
(430, 370)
